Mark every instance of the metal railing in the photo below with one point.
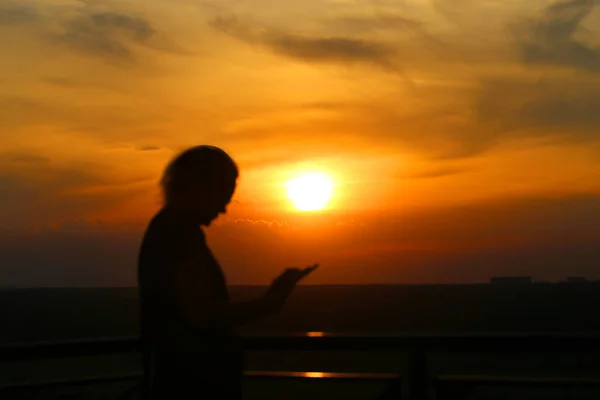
(420, 383)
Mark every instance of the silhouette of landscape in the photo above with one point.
(41, 314)
(48, 314)
(387, 142)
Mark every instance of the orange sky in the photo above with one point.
(462, 136)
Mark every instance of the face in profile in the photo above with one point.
(200, 181)
(213, 202)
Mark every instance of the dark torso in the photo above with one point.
(165, 332)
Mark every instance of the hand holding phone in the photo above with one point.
(285, 283)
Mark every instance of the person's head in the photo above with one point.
(200, 181)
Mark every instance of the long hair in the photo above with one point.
(207, 166)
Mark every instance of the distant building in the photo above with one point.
(511, 280)
(576, 279)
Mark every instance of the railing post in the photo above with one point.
(418, 375)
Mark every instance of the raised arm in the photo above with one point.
(203, 308)
(240, 313)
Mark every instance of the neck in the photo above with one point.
(183, 212)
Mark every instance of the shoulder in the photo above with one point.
(164, 226)
(167, 235)
(165, 244)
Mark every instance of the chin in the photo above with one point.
(207, 221)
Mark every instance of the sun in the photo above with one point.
(310, 192)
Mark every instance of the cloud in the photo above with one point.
(567, 108)
(448, 122)
(111, 35)
(271, 224)
(15, 13)
(86, 84)
(338, 50)
(550, 39)
(433, 173)
(38, 191)
(104, 122)
(62, 82)
(16, 111)
(454, 121)
(491, 112)
(108, 35)
(24, 158)
(382, 21)
(386, 21)
(149, 148)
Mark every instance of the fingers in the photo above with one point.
(295, 274)
(284, 284)
(310, 269)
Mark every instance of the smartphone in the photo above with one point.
(310, 269)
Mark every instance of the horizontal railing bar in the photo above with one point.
(348, 376)
(518, 380)
(501, 343)
(345, 376)
(71, 381)
(503, 381)
(68, 349)
(489, 343)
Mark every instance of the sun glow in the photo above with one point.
(310, 192)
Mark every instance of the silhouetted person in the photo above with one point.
(190, 344)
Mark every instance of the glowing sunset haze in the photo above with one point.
(390, 141)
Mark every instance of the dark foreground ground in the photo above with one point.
(59, 314)
(56, 314)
